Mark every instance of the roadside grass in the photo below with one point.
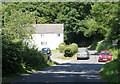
(29, 70)
(67, 58)
(54, 51)
(110, 72)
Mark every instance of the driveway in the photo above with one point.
(73, 71)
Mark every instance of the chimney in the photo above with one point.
(34, 20)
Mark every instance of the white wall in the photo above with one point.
(53, 40)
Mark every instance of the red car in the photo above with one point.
(105, 55)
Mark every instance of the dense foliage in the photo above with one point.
(84, 23)
(70, 50)
(17, 57)
(11, 57)
(110, 72)
(62, 47)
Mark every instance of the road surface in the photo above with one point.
(74, 71)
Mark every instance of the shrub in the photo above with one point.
(62, 47)
(18, 57)
(11, 57)
(75, 47)
(114, 53)
(109, 72)
(68, 52)
(33, 58)
(63, 43)
(119, 54)
(71, 50)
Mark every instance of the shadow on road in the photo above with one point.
(73, 67)
(67, 72)
(97, 53)
(91, 49)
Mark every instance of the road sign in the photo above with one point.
(114, 42)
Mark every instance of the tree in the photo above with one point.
(18, 26)
(71, 15)
(16, 29)
(106, 16)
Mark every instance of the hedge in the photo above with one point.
(75, 47)
(62, 47)
(17, 57)
(11, 57)
(70, 50)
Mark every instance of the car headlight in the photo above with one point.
(109, 56)
(100, 56)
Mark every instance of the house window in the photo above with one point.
(43, 43)
(42, 35)
(58, 35)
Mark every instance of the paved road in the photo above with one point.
(74, 71)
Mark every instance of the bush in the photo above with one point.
(71, 50)
(68, 52)
(62, 47)
(18, 57)
(114, 53)
(11, 57)
(110, 71)
(33, 58)
(75, 47)
(119, 54)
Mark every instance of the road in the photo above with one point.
(74, 71)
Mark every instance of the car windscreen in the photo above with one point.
(45, 49)
(105, 53)
(82, 52)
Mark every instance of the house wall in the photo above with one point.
(47, 40)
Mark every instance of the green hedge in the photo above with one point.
(75, 47)
(33, 58)
(110, 72)
(18, 57)
(71, 50)
(11, 57)
(62, 47)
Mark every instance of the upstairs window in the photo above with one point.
(42, 35)
(58, 35)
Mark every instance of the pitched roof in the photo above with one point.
(49, 28)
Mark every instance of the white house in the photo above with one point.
(48, 35)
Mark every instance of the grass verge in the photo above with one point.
(67, 58)
(54, 51)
